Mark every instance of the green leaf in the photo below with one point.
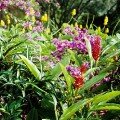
(91, 70)
(107, 106)
(105, 97)
(109, 46)
(88, 45)
(118, 35)
(92, 81)
(68, 78)
(73, 108)
(2, 110)
(32, 67)
(112, 54)
(32, 115)
(36, 88)
(56, 71)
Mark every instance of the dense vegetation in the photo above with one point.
(59, 60)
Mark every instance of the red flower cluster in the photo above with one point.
(79, 80)
(96, 48)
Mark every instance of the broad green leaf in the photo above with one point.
(74, 57)
(93, 81)
(32, 115)
(32, 67)
(55, 106)
(36, 88)
(74, 108)
(2, 110)
(112, 54)
(91, 70)
(56, 71)
(109, 46)
(107, 106)
(105, 97)
(66, 37)
(68, 78)
(118, 35)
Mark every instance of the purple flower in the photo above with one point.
(74, 71)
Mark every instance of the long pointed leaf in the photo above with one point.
(32, 67)
(73, 108)
(105, 97)
(92, 81)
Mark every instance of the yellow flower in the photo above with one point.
(8, 21)
(81, 27)
(44, 18)
(106, 20)
(8, 17)
(33, 18)
(23, 30)
(48, 30)
(32, 12)
(73, 13)
(2, 23)
(30, 27)
(76, 24)
(99, 29)
(107, 30)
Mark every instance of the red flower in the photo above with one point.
(79, 81)
(83, 68)
(96, 48)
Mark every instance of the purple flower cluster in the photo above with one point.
(4, 4)
(77, 43)
(25, 5)
(74, 71)
(37, 26)
(28, 7)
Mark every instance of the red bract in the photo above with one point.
(83, 68)
(96, 47)
(79, 81)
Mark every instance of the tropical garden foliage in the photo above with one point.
(59, 60)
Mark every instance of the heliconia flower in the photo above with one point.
(96, 47)
(79, 81)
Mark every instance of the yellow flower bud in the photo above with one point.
(7, 16)
(107, 30)
(23, 30)
(30, 27)
(48, 30)
(81, 27)
(33, 18)
(76, 24)
(8, 21)
(32, 12)
(99, 29)
(2, 23)
(73, 13)
(106, 20)
(44, 18)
